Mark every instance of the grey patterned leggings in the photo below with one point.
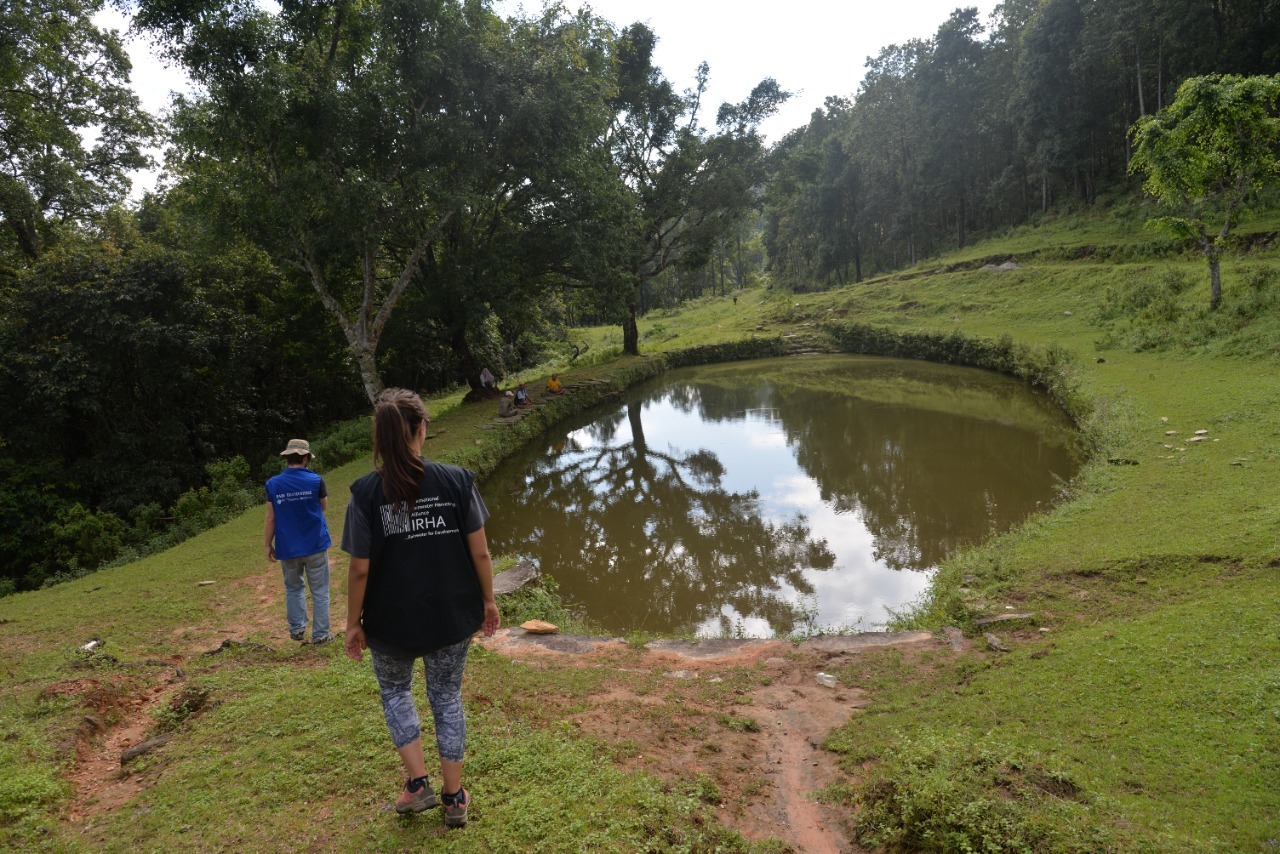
(444, 692)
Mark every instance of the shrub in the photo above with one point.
(1052, 368)
(85, 538)
(340, 444)
(935, 792)
(1149, 313)
(541, 601)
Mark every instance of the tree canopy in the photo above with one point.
(688, 186)
(987, 125)
(1206, 153)
(71, 128)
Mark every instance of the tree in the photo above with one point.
(812, 203)
(347, 139)
(688, 186)
(540, 209)
(1049, 103)
(63, 82)
(1206, 154)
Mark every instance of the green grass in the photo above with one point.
(305, 746)
(1145, 718)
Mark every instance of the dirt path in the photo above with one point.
(750, 717)
(128, 711)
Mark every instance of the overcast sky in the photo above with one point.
(813, 48)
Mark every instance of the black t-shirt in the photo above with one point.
(422, 592)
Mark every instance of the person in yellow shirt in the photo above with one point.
(554, 386)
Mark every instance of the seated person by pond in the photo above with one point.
(554, 386)
(507, 405)
(522, 396)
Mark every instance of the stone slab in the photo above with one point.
(844, 644)
(511, 580)
(707, 648)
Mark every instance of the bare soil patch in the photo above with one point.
(129, 710)
(752, 720)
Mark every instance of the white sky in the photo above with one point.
(813, 48)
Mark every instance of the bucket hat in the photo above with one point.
(297, 446)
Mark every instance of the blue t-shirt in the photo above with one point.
(301, 528)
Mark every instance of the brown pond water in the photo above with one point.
(777, 496)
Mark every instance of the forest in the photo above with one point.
(402, 192)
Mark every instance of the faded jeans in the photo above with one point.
(315, 568)
(444, 692)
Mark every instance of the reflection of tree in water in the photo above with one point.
(654, 538)
(922, 482)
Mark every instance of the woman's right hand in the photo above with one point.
(492, 619)
(354, 643)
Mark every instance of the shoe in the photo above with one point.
(298, 636)
(455, 815)
(423, 799)
(321, 640)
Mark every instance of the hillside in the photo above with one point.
(1136, 710)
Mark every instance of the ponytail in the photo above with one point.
(397, 413)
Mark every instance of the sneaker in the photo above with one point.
(321, 640)
(299, 636)
(455, 815)
(423, 799)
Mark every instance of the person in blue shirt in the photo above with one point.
(297, 535)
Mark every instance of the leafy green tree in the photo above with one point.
(952, 90)
(63, 81)
(885, 133)
(132, 362)
(813, 203)
(1206, 154)
(342, 138)
(1049, 101)
(688, 186)
(542, 213)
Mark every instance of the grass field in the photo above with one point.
(1138, 708)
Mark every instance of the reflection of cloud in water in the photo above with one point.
(765, 439)
(846, 598)
(748, 627)
(857, 592)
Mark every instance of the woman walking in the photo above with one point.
(419, 585)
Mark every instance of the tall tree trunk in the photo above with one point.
(857, 258)
(631, 333)
(1215, 283)
(1142, 103)
(1160, 73)
(364, 332)
(466, 359)
(367, 361)
(637, 430)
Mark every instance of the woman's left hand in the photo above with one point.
(492, 619)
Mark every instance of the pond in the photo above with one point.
(776, 497)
